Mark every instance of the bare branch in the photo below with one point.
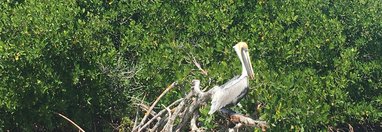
(156, 126)
(244, 120)
(201, 98)
(351, 129)
(159, 114)
(146, 108)
(193, 122)
(204, 72)
(186, 112)
(168, 126)
(155, 102)
(66, 118)
(136, 119)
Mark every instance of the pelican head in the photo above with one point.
(241, 49)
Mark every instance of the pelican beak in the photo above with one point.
(247, 63)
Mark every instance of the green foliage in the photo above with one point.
(317, 63)
(55, 58)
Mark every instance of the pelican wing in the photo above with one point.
(230, 93)
(231, 82)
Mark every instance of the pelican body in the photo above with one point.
(234, 90)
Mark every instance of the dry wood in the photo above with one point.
(72, 122)
(156, 126)
(157, 116)
(193, 122)
(187, 113)
(204, 72)
(146, 109)
(153, 105)
(243, 120)
(169, 125)
(136, 119)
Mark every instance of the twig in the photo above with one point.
(178, 109)
(153, 105)
(66, 118)
(136, 119)
(159, 114)
(169, 115)
(146, 108)
(156, 126)
(204, 72)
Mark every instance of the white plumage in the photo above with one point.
(235, 89)
(229, 94)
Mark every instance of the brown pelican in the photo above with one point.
(234, 90)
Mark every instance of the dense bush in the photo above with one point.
(57, 57)
(317, 63)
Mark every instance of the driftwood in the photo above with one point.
(183, 114)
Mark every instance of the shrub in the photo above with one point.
(317, 63)
(57, 57)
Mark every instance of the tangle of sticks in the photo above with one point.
(183, 113)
